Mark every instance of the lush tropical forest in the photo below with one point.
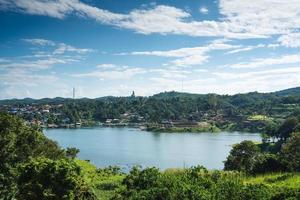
(33, 167)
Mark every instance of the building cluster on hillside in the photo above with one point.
(36, 114)
(52, 116)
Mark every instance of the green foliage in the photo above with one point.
(72, 152)
(19, 143)
(34, 167)
(290, 152)
(242, 157)
(240, 112)
(256, 192)
(271, 129)
(142, 179)
(289, 126)
(199, 183)
(199, 129)
(104, 181)
(45, 179)
(268, 162)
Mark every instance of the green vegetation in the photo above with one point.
(104, 182)
(199, 183)
(197, 129)
(259, 118)
(250, 112)
(52, 179)
(33, 167)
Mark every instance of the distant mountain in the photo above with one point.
(163, 95)
(288, 92)
(172, 94)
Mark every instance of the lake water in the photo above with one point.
(127, 147)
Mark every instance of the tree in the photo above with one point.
(271, 129)
(212, 101)
(267, 163)
(19, 143)
(290, 152)
(288, 127)
(142, 179)
(72, 152)
(47, 179)
(242, 157)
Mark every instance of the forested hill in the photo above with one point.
(163, 95)
(288, 92)
(238, 111)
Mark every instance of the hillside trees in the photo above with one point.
(242, 157)
(48, 179)
(290, 152)
(34, 167)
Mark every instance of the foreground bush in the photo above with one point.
(33, 167)
(195, 183)
(19, 143)
(242, 157)
(48, 179)
(290, 152)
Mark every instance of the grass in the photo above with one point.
(104, 184)
(281, 180)
(259, 118)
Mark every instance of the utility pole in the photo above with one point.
(73, 93)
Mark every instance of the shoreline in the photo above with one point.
(161, 129)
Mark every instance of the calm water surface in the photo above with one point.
(127, 147)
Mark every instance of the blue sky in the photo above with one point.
(112, 47)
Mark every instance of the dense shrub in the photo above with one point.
(268, 162)
(33, 167)
(290, 152)
(256, 192)
(242, 157)
(47, 179)
(193, 183)
(286, 194)
(19, 143)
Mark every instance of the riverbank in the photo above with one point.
(169, 127)
(210, 129)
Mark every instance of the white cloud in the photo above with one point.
(290, 40)
(42, 42)
(262, 17)
(264, 62)
(19, 83)
(3, 60)
(264, 73)
(229, 83)
(62, 48)
(241, 19)
(18, 77)
(170, 73)
(248, 48)
(40, 64)
(203, 10)
(107, 66)
(117, 74)
(188, 56)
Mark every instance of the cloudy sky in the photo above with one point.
(112, 47)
